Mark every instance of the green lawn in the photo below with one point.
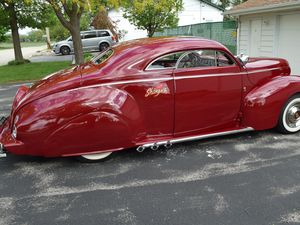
(30, 71)
(4, 45)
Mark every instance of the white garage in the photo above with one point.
(269, 28)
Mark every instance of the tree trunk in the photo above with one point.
(15, 34)
(77, 43)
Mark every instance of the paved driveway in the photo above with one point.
(251, 178)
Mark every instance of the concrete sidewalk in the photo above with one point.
(8, 54)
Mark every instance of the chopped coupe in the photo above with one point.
(149, 93)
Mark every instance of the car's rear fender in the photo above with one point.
(83, 119)
(263, 104)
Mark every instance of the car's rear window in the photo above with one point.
(103, 56)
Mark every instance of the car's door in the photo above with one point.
(208, 92)
(90, 40)
(155, 96)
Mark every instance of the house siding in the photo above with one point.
(267, 39)
(277, 39)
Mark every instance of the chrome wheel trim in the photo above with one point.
(97, 156)
(291, 116)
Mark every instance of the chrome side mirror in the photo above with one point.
(243, 58)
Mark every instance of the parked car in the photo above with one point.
(98, 40)
(149, 93)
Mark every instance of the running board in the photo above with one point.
(194, 138)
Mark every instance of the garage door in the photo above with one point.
(289, 45)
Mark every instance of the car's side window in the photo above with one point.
(223, 59)
(165, 62)
(103, 34)
(205, 58)
(201, 58)
(90, 35)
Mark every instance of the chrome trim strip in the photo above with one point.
(125, 82)
(209, 75)
(171, 78)
(199, 137)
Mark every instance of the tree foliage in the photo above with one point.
(102, 21)
(15, 14)
(69, 13)
(3, 31)
(58, 32)
(228, 3)
(153, 15)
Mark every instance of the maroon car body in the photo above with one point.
(147, 93)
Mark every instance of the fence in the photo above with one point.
(223, 32)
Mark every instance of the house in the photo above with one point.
(269, 28)
(195, 11)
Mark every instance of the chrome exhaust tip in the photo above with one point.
(168, 144)
(2, 151)
(140, 149)
(154, 147)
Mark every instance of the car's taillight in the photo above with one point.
(113, 38)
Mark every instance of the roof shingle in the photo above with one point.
(260, 3)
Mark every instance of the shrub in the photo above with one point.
(14, 62)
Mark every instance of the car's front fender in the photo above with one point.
(263, 104)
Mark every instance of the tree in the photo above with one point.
(16, 14)
(3, 31)
(58, 32)
(69, 13)
(36, 36)
(102, 21)
(153, 15)
(228, 3)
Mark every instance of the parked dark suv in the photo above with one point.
(91, 40)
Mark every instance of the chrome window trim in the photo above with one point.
(154, 60)
(215, 51)
(100, 55)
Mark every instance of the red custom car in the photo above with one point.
(149, 93)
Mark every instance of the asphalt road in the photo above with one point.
(251, 178)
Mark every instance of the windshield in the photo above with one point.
(102, 56)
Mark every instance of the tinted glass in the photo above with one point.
(90, 35)
(168, 61)
(103, 34)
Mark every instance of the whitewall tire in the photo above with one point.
(95, 157)
(289, 120)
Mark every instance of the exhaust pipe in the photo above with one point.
(154, 147)
(140, 149)
(168, 144)
(2, 151)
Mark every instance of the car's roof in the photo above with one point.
(85, 31)
(147, 49)
(163, 41)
